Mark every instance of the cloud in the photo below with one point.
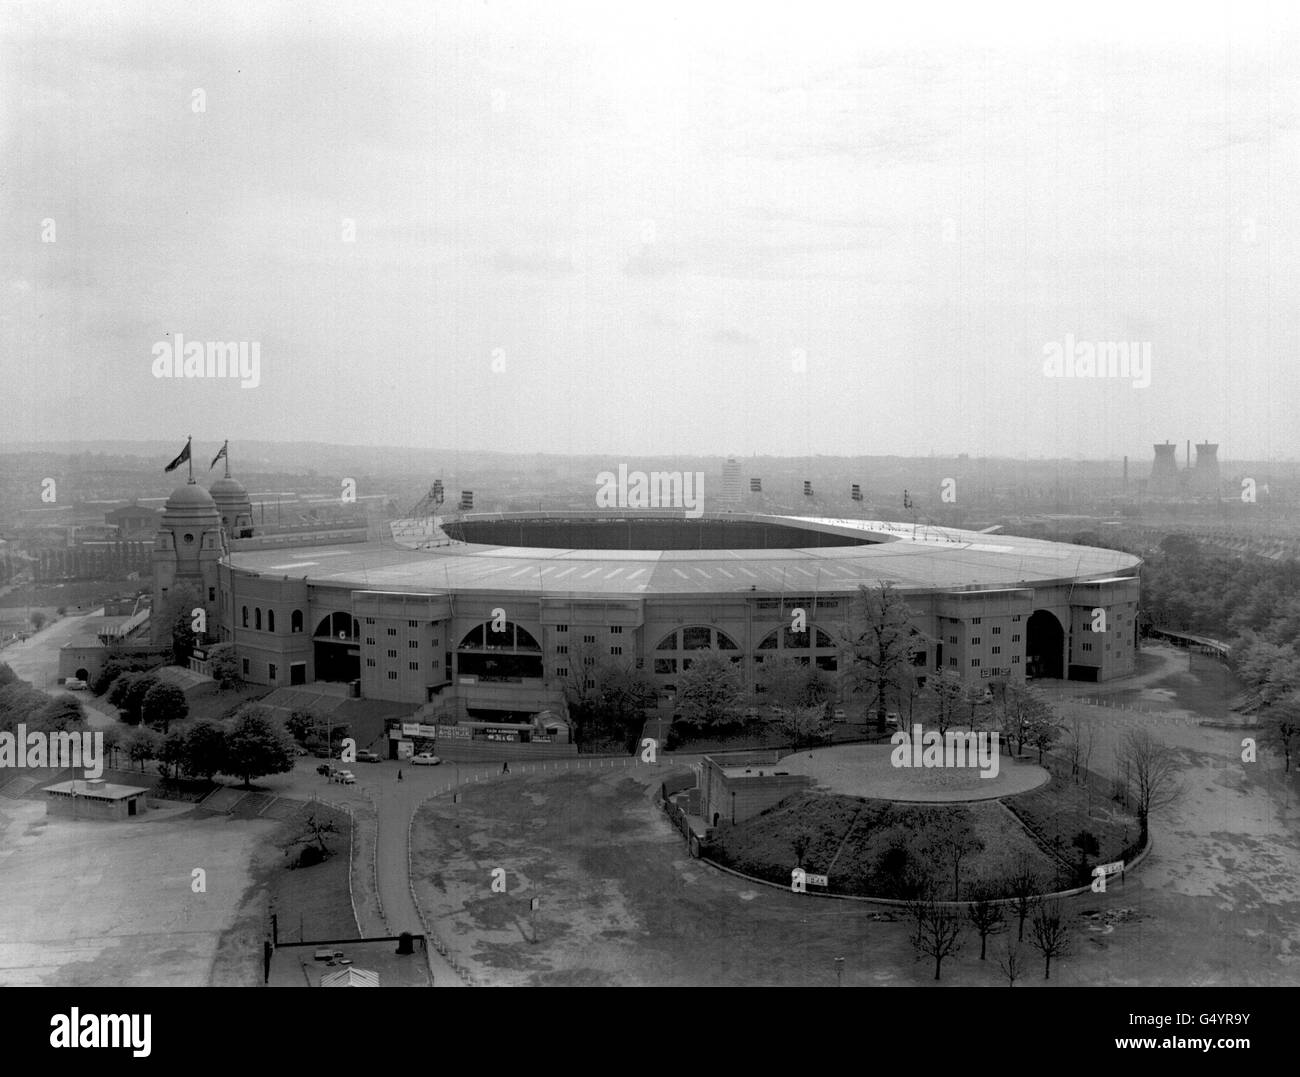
(734, 338)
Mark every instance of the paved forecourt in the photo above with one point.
(867, 770)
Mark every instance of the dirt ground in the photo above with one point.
(111, 904)
(1216, 902)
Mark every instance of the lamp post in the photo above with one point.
(839, 972)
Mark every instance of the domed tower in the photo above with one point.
(232, 501)
(186, 552)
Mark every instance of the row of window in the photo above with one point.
(295, 618)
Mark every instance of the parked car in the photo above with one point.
(892, 719)
(344, 776)
(367, 756)
(424, 759)
(841, 715)
(75, 684)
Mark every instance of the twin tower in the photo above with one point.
(195, 532)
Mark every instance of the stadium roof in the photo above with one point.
(924, 559)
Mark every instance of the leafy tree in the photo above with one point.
(130, 698)
(19, 704)
(1049, 933)
(984, 913)
(141, 745)
(1152, 776)
(205, 748)
(163, 704)
(256, 746)
(1088, 845)
(113, 737)
(1024, 712)
(787, 683)
(709, 691)
(7, 675)
(944, 696)
(880, 644)
(802, 725)
(60, 713)
(173, 752)
(302, 725)
(1043, 729)
(223, 664)
(38, 620)
(176, 622)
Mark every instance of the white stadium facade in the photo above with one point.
(487, 617)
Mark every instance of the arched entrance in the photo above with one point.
(337, 646)
(1045, 646)
(82, 674)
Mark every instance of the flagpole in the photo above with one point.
(225, 448)
(189, 452)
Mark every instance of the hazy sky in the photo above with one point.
(653, 228)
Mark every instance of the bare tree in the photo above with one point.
(945, 696)
(1281, 725)
(950, 839)
(984, 913)
(937, 930)
(1024, 883)
(1050, 934)
(1151, 775)
(1010, 962)
(1074, 744)
(880, 645)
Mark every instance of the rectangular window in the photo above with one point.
(412, 624)
(997, 650)
(615, 630)
(952, 662)
(1015, 637)
(561, 671)
(370, 641)
(561, 648)
(392, 674)
(997, 630)
(1015, 659)
(1015, 619)
(589, 661)
(392, 631)
(975, 620)
(413, 666)
(370, 620)
(212, 594)
(370, 662)
(974, 662)
(952, 639)
(975, 641)
(616, 650)
(412, 644)
(392, 653)
(588, 639)
(435, 642)
(245, 667)
(270, 671)
(561, 628)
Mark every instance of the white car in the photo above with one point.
(75, 684)
(424, 759)
(345, 776)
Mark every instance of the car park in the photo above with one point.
(424, 759)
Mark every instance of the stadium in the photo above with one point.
(486, 617)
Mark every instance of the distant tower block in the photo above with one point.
(755, 486)
(1205, 479)
(731, 481)
(807, 488)
(1164, 472)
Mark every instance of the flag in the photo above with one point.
(218, 456)
(185, 455)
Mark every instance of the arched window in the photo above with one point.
(257, 618)
(339, 625)
(511, 654)
(691, 638)
(295, 621)
(270, 620)
(799, 646)
(245, 616)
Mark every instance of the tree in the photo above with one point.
(1050, 934)
(1023, 710)
(1152, 776)
(974, 698)
(880, 644)
(130, 698)
(1042, 729)
(7, 675)
(709, 691)
(173, 752)
(984, 913)
(949, 839)
(1010, 962)
(163, 704)
(799, 842)
(301, 725)
(1088, 845)
(937, 930)
(945, 696)
(256, 746)
(223, 665)
(60, 713)
(176, 622)
(787, 683)
(1024, 884)
(205, 748)
(1281, 725)
(806, 725)
(142, 745)
(112, 744)
(38, 620)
